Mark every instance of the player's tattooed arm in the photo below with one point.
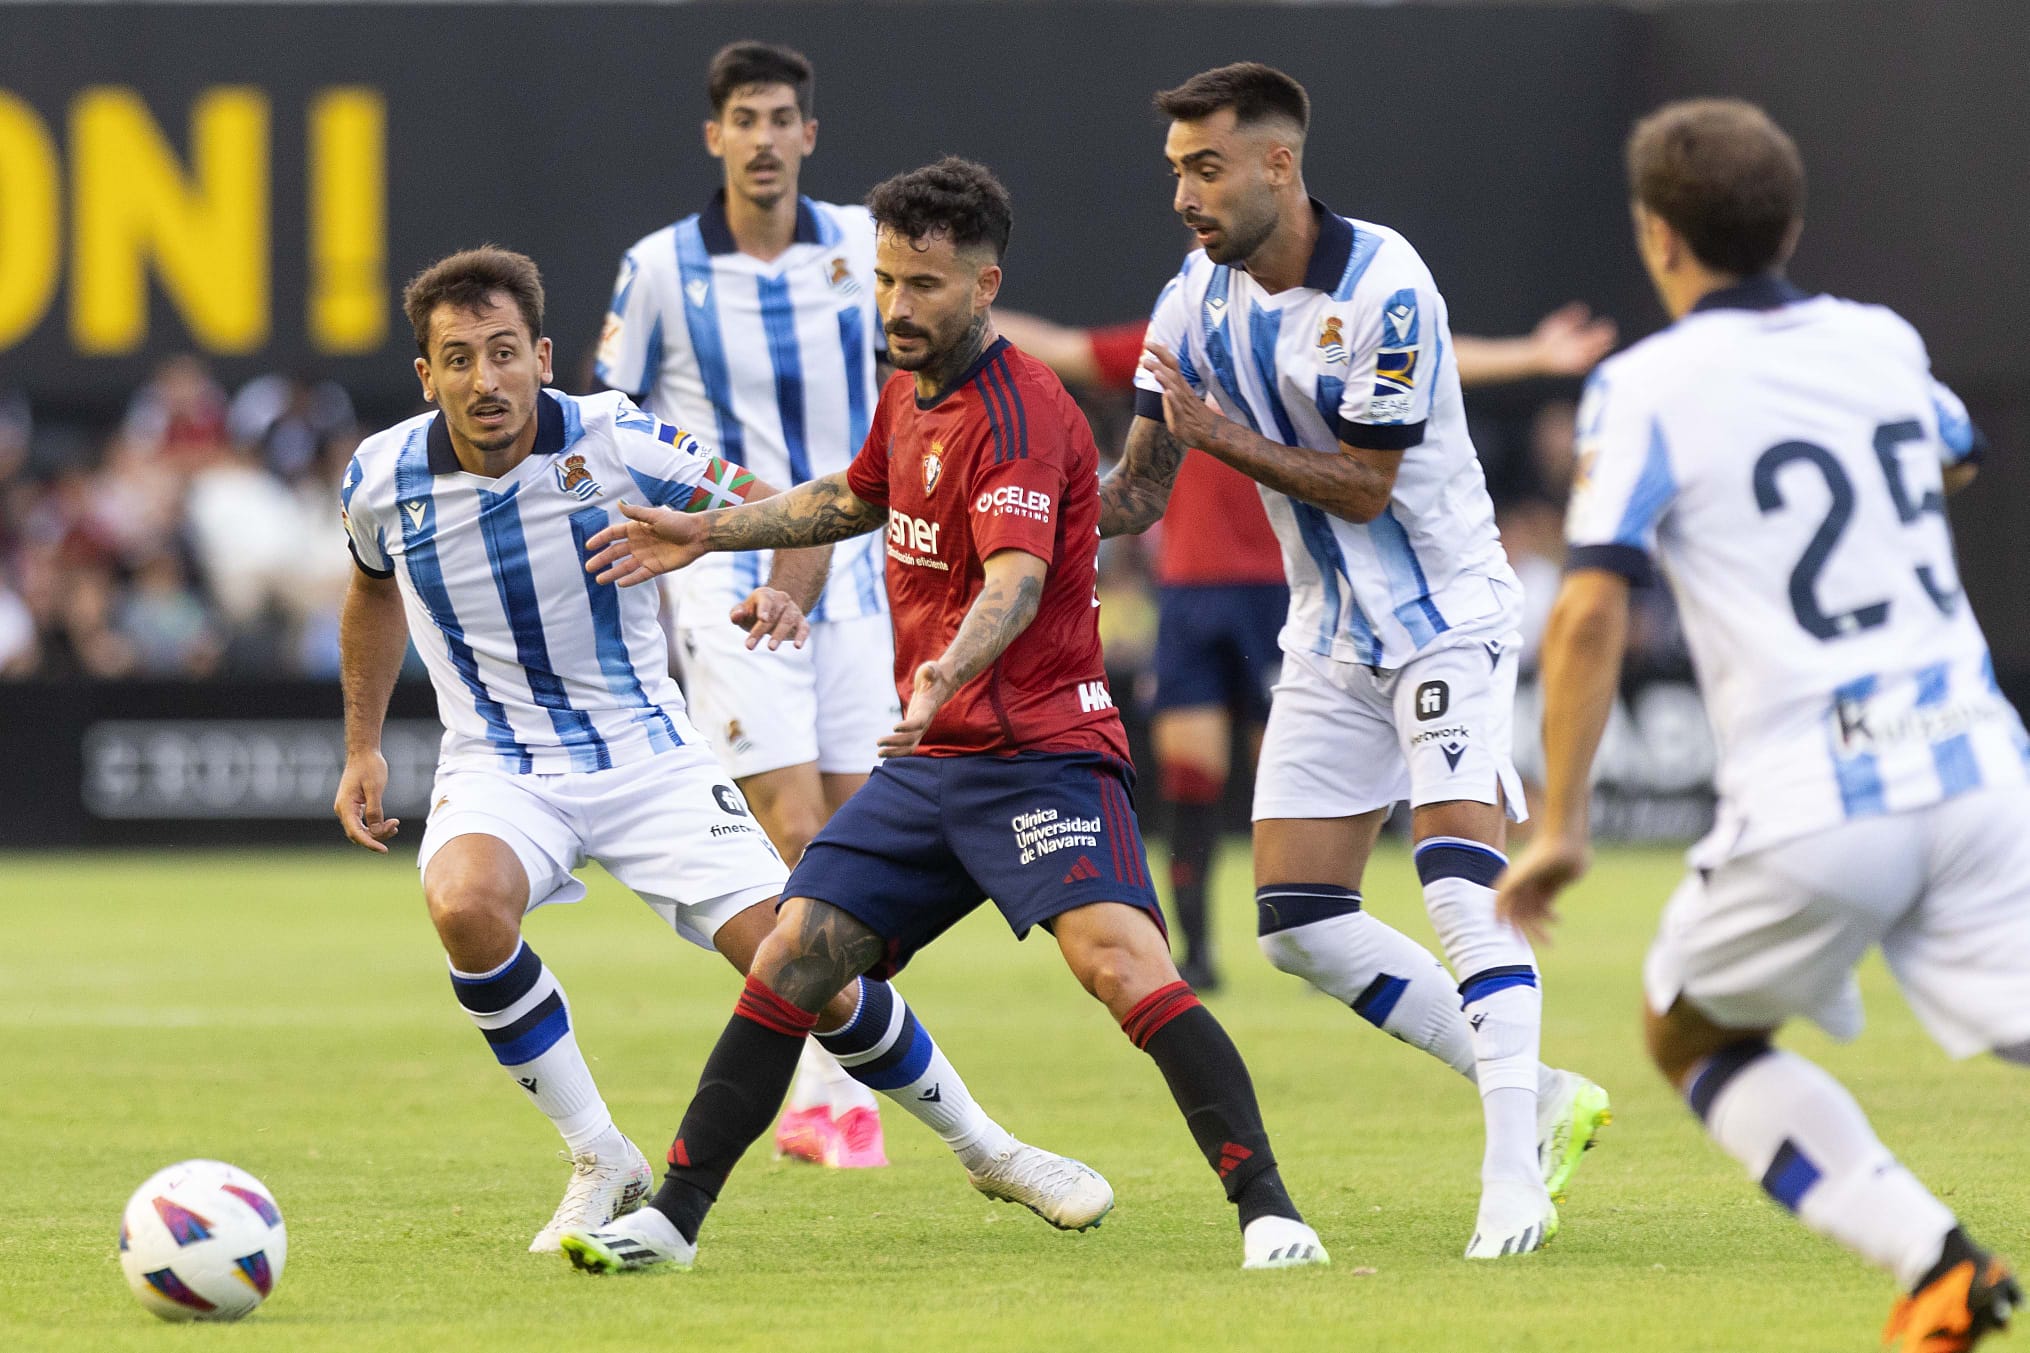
(818, 512)
(1353, 483)
(828, 948)
(657, 540)
(1009, 598)
(1133, 497)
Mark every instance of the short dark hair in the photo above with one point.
(1254, 91)
(1724, 176)
(955, 198)
(469, 281)
(742, 65)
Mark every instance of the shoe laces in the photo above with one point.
(1035, 1169)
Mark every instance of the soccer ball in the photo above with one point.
(202, 1241)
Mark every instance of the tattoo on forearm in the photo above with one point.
(832, 948)
(1133, 497)
(1339, 483)
(816, 513)
(996, 617)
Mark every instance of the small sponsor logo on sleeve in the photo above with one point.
(1013, 500)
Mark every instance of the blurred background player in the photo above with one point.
(565, 738)
(1221, 595)
(1323, 342)
(752, 324)
(1008, 775)
(1873, 785)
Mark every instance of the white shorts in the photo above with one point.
(1346, 739)
(1944, 890)
(830, 701)
(671, 828)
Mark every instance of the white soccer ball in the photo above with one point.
(202, 1241)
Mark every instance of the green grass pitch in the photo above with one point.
(289, 1012)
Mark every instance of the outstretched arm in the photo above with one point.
(1135, 494)
(1581, 668)
(656, 540)
(1007, 602)
(1567, 342)
(1353, 483)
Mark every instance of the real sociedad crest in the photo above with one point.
(1331, 342)
(933, 465)
(842, 279)
(575, 479)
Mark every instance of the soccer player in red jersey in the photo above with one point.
(1008, 775)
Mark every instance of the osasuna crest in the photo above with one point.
(1331, 342)
(575, 479)
(842, 279)
(933, 465)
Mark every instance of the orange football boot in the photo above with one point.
(1956, 1310)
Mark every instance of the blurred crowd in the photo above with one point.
(198, 537)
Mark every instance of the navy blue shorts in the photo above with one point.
(929, 838)
(1216, 645)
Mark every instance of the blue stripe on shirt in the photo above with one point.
(609, 636)
(1654, 488)
(778, 323)
(1007, 376)
(507, 554)
(1365, 246)
(708, 345)
(1958, 768)
(1409, 590)
(426, 575)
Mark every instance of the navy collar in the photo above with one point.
(1764, 291)
(718, 235)
(1330, 253)
(549, 435)
(993, 350)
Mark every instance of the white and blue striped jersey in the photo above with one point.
(1358, 353)
(537, 667)
(773, 360)
(1779, 458)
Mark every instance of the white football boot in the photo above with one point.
(1281, 1242)
(1516, 1216)
(643, 1239)
(609, 1179)
(1064, 1192)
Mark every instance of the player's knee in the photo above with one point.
(477, 913)
(1119, 973)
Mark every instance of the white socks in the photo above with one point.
(522, 1012)
(884, 1047)
(1806, 1141)
(1499, 995)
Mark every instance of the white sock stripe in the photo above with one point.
(545, 984)
(897, 1013)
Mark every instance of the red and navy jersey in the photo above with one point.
(1002, 460)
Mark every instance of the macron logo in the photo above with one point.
(415, 511)
(1093, 695)
(697, 290)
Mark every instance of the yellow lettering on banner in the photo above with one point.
(348, 299)
(206, 234)
(29, 220)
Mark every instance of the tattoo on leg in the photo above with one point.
(832, 948)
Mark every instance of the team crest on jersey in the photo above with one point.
(575, 479)
(1331, 342)
(933, 465)
(842, 278)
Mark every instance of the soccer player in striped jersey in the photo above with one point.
(753, 322)
(1008, 775)
(1323, 342)
(1784, 459)
(565, 739)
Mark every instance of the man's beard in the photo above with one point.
(932, 355)
(1240, 238)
